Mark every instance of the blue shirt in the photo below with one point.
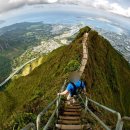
(70, 87)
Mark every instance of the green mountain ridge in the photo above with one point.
(107, 75)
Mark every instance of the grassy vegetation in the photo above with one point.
(18, 38)
(108, 76)
(5, 67)
(30, 94)
(73, 65)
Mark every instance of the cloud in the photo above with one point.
(112, 7)
(2, 21)
(115, 8)
(8, 5)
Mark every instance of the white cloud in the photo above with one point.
(115, 8)
(7, 5)
(32, 1)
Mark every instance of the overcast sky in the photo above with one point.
(120, 7)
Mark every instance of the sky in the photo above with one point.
(12, 11)
(120, 7)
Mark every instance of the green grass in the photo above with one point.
(5, 67)
(30, 94)
(108, 76)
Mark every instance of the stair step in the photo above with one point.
(73, 107)
(69, 117)
(72, 113)
(72, 110)
(77, 104)
(69, 121)
(73, 103)
(69, 127)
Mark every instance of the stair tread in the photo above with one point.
(76, 103)
(70, 117)
(69, 121)
(71, 113)
(72, 110)
(73, 107)
(72, 104)
(69, 127)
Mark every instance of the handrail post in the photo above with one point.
(38, 121)
(57, 106)
(119, 124)
(86, 103)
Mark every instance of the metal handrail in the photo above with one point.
(50, 119)
(98, 119)
(38, 120)
(119, 119)
(56, 111)
(57, 99)
(118, 125)
(125, 118)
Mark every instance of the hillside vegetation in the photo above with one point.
(30, 94)
(107, 75)
(22, 42)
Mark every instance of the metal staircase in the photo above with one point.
(69, 117)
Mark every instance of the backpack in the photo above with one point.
(77, 90)
(74, 92)
(80, 89)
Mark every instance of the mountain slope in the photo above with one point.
(107, 75)
(21, 42)
(30, 94)
(15, 40)
(108, 70)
